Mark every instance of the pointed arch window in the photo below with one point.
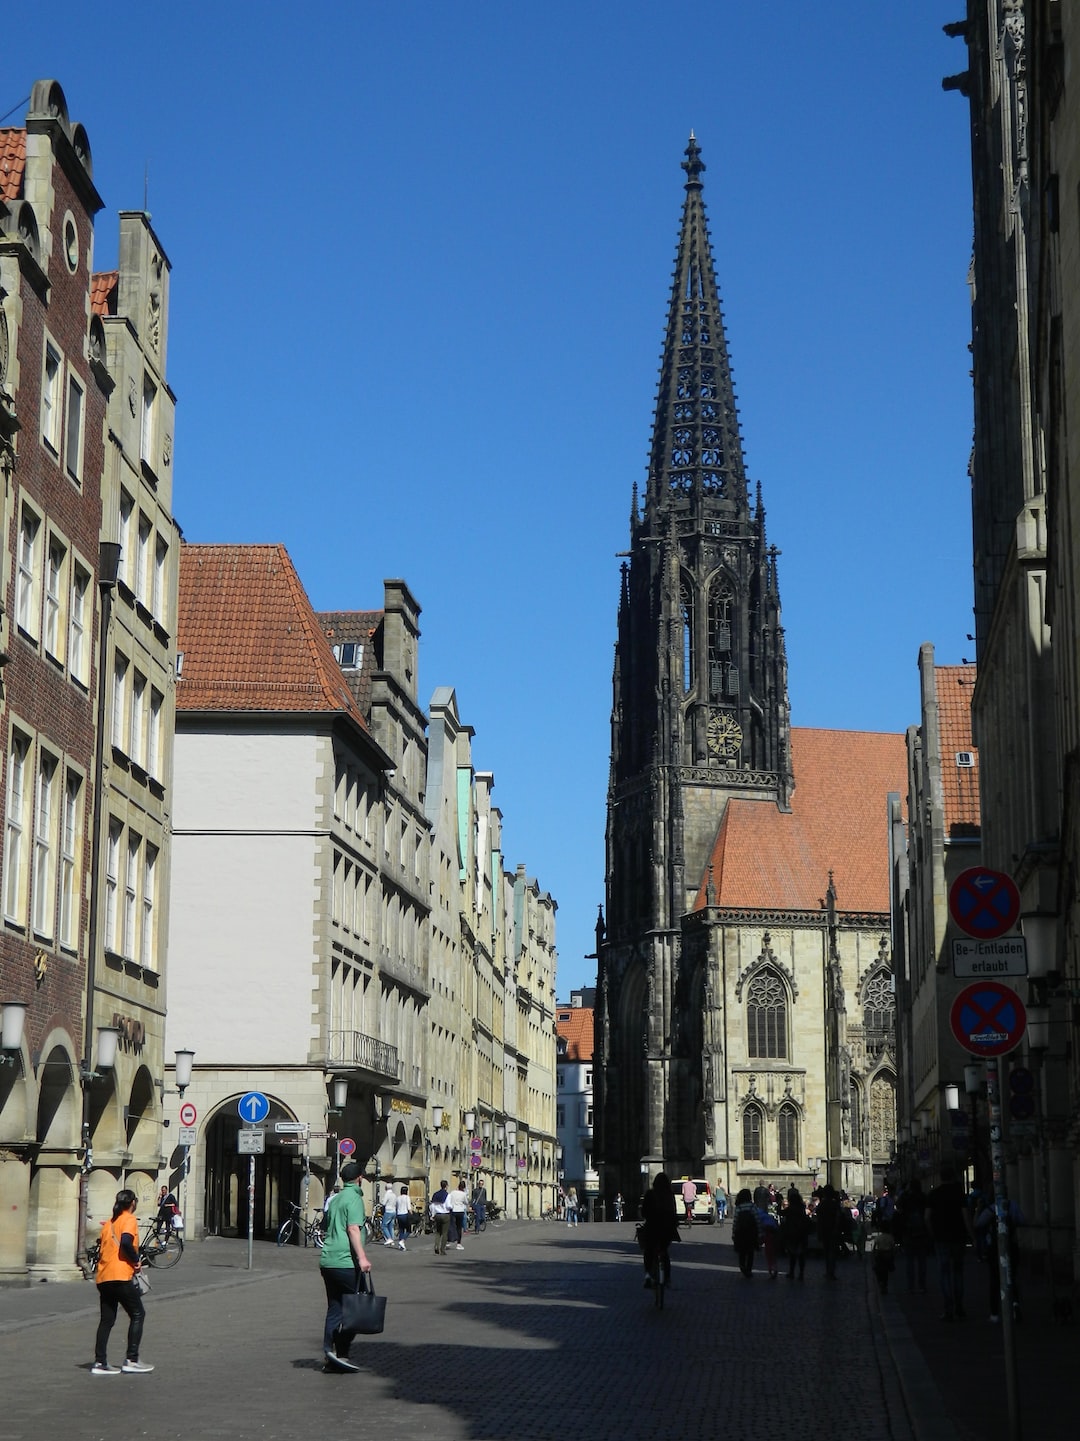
(721, 608)
(766, 1017)
(686, 612)
(856, 1117)
(879, 1006)
(751, 1134)
(788, 1127)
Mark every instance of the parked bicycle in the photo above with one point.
(311, 1232)
(160, 1247)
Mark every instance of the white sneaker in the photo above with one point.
(401, 1245)
(102, 1368)
(460, 1246)
(135, 1368)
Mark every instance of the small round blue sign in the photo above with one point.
(253, 1107)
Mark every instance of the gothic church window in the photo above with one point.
(766, 1017)
(721, 668)
(788, 1126)
(882, 1117)
(751, 1132)
(879, 1007)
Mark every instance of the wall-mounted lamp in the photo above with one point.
(1038, 1027)
(485, 1130)
(927, 1120)
(339, 1094)
(511, 1137)
(973, 1079)
(1040, 932)
(183, 1060)
(11, 1031)
(108, 1039)
(436, 1118)
(500, 1134)
(952, 1098)
(470, 1121)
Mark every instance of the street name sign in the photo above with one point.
(291, 1128)
(984, 903)
(250, 1143)
(1004, 957)
(988, 1018)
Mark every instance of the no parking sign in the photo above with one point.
(988, 1019)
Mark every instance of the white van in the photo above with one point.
(705, 1204)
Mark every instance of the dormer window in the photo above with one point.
(349, 654)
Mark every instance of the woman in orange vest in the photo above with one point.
(118, 1261)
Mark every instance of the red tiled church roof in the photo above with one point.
(768, 859)
(577, 1032)
(249, 636)
(953, 685)
(12, 163)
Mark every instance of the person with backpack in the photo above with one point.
(744, 1231)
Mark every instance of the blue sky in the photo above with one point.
(421, 258)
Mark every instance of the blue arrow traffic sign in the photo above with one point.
(253, 1107)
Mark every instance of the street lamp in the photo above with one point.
(11, 1033)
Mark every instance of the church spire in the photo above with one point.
(696, 463)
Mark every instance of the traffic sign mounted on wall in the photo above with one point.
(984, 903)
(988, 1019)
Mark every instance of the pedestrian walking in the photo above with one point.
(479, 1203)
(912, 1237)
(404, 1216)
(794, 1230)
(341, 1261)
(769, 1231)
(571, 1206)
(721, 1203)
(440, 1215)
(828, 1226)
(948, 1221)
(118, 1265)
(456, 1203)
(620, 1206)
(745, 1233)
(389, 1214)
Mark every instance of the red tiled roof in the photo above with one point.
(103, 287)
(765, 858)
(953, 685)
(249, 636)
(12, 163)
(577, 1032)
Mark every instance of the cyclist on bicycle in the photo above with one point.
(167, 1212)
(659, 1228)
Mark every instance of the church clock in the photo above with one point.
(724, 735)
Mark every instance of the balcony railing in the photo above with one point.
(353, 1048)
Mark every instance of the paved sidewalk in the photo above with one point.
(534, 1332)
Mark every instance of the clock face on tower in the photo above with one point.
(724, 734)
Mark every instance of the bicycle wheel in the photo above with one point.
(284, 1235)
(318, 1236)
(481, 1225)
(167, 1252)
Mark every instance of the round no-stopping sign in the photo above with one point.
(188, 1114)
(984, 903)
(988, 1018)
(346, 1146)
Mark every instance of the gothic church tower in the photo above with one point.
(700, 714)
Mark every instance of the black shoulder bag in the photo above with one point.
(362, 1312)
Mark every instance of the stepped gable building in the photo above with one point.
(744, 1010)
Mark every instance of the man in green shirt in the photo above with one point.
(342, 1259)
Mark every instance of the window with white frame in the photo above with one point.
(126, 537)
(119, 714)
(131, 892)
(73, 429)
(55, 596)
(15, 829)
(44, 885)
(70, 834)
(112, 883)
(51, 398)
(149, 413)
(148, 934)
(153, 737)
(137, 729)
(143, 579)
(78, 626)
(161, 560)
(28, 579)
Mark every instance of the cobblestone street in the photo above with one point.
(534, 1332)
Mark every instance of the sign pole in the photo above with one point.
(251, 1205)
(1001, 1206)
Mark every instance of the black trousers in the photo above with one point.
(113, 1294)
